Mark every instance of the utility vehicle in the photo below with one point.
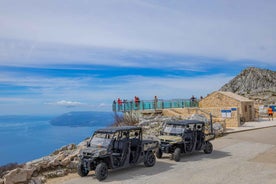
(184, 136)
(114, 148)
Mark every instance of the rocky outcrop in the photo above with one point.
(254, 83)
(59, 163)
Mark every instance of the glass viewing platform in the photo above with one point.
(127, 106)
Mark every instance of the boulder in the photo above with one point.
(66, 161)
(57, 160)
(56, 173)
(37, 180)
(218, 129)
(199, 117)
(18, 175)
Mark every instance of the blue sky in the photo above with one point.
(60, 56)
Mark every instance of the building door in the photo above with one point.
(250, 112)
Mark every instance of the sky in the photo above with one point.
(61, 56)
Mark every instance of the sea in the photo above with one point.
(27, 137)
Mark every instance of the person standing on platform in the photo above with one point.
(120, 103)
(270, 113)
(137, 102)
(193, 100)
(155, 102)
(114, 106)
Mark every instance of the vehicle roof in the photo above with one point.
(121, 128)
(184, 122)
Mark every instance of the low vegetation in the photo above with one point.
(127, 119)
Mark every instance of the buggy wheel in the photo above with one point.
(176, 154)
(101, 171)
(150, 159)
(81, 170)
(159, 153)
(208, 148)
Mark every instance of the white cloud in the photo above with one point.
(66, 103)
(96, 91)
(235, 30)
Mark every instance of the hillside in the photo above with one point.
(254, 83)
(83, 118)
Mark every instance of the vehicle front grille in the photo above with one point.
(87, 154)
(163, 141)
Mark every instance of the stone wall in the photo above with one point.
(184, 113)
(217, 99)
(245, 109)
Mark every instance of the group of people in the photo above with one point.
(120, 102)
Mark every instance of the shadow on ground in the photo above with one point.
(196, 156)
(137, 172)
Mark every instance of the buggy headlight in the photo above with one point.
(103, 152)
(100, 153)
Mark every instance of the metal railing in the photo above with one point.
(127, 106)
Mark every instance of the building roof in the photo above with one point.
(235, 96)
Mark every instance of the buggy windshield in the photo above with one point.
(174, 129)
(101, 139)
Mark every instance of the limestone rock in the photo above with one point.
(218, 129)
(254, 83)
(18, 175)
(56, 173)
(199, 117)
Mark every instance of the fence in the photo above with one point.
(127, 106)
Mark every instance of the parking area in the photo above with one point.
(245, 157)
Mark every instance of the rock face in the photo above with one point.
(254, 83)
(152, 125)
(59, 163)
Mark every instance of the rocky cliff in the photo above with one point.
(254, 83)
(59, 163)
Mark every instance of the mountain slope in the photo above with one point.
(83, 118)
(254, 83)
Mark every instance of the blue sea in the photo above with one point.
(25, 138)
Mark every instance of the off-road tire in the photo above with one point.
(149, 160)
(101, 171)
(177, 154)
(81, 170)
(208, 148)
(159, 153)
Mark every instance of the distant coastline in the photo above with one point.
(82, 119)
(28, 137)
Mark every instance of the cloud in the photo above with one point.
(79, 31)
(52, 87)
(30, 91)
(65, 103)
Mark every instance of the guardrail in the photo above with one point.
(127, 106)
